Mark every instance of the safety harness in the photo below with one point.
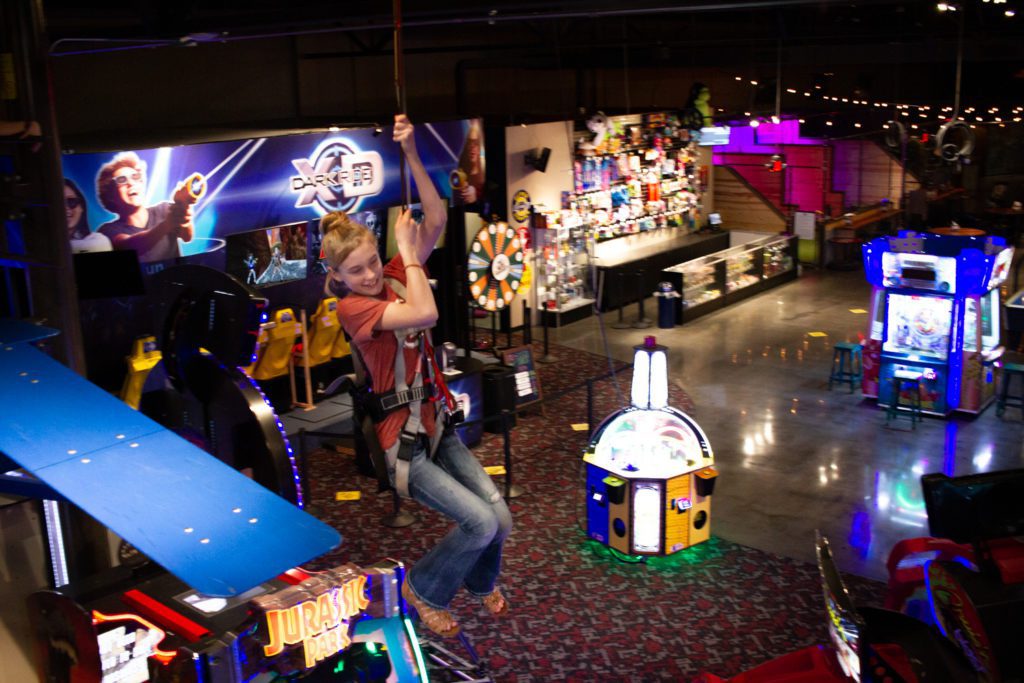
(392, 465)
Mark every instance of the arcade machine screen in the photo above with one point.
(918, 325)
(126, 642)
(919, 271)
(374, 221)
(989, 304)
(268, 257)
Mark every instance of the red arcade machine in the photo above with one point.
(967, 578)
(866, 644)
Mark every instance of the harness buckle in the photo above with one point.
(406, 442)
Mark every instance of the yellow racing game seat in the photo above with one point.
(275, 357)
(319, 338)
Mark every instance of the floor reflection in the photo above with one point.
(795, 457)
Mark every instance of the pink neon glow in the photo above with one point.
(816, 177)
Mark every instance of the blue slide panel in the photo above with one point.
(215, 529)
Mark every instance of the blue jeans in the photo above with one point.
(455, 484)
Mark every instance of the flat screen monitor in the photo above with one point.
(975, 507)
(714, 135)
(108, 274)
(269, 256)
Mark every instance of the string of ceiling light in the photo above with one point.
(971, 116)
(954, 7)
(991, 115)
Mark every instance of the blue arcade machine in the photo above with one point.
(935, 315)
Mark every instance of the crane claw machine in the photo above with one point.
(935, 316)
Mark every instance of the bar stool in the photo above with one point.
(1006, 399)
(910, 381)
(847, 364)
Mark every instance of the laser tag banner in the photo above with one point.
(179, 201)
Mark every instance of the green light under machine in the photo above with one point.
(650, 469)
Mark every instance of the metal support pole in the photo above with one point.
(590, 408)
(471, 322)
(621, 323)
(511, 490)
(398, 518)
(527, 324)
(642, 321)
(546, 358)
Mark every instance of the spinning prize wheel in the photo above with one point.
(495, 266)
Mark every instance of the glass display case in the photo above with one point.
(562, 253)
(778, 256)
(699, 281)
(725, 277)
(743, 266)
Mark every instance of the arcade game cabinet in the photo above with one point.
(207, 587)
(866, 644)
(967, 578)
(935, 318)
(650, 469)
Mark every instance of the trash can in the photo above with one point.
(666, 297)
(499, 394)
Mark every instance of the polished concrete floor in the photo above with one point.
(793, 456)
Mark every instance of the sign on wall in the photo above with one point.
(521, 206)
(193, 194)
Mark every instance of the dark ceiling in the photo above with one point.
(877, 50)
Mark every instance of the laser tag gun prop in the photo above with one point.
(190, 190)
(457, 179)
(186, 194)
(144, 357)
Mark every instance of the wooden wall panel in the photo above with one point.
(867, 174)
(741, 207)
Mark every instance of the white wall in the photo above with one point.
(545, 189)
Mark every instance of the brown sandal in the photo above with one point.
(439, 621)
(495, 603)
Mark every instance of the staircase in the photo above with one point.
(745, 207)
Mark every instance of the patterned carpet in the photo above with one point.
(578, 614)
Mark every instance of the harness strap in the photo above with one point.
(397, 399)
(396, 459)
(378, 457)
